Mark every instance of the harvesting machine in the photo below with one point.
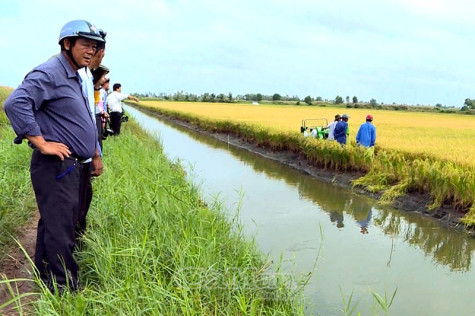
(316, 128)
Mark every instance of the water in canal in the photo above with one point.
(348, 243)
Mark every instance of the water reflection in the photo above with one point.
(445, 246)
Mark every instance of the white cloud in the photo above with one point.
(439, 9)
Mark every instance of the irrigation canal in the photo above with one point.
(348, 243)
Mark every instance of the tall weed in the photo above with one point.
(153, 247)
(17, 201)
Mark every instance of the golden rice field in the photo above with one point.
(446, 136)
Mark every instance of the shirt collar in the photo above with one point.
(69, 70)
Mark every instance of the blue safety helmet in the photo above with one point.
(103, 34)
(102, 45)
(81, 28)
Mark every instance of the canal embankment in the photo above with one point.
(153, 245)
(346, 169)
(349, 244)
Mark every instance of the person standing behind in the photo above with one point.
(366, 135)
(90, 80)
(114, 104)
(331, 127)
(87, 84)
(86, 72)
(103, 98)
(99, 78)
(341, 129)
(51, 111)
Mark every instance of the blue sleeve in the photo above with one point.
(373, 136)
(99, 148)
(358, 135)
(22, 104)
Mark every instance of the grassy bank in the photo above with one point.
(17, 202)
(392, 172)
(154, 248)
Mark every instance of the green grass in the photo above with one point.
(17, 201)
(154, 248)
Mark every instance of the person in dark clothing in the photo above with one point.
(51, 110)
(88, 82)
(341, 129)
(365, 222)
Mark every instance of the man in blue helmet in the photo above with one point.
(51, 111)
(88, 86)
(91, 84)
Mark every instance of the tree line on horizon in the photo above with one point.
(468, 106)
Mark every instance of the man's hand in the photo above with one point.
(49, 148)
(97, 166)
(131, 97)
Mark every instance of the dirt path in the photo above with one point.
(16, 265)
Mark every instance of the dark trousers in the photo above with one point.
(99, 129)
(116, 121)
(63, 193)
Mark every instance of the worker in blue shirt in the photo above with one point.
(366, 135)
(341, 130)
(51, 111)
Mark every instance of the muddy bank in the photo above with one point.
(413, 202)
(17, 266)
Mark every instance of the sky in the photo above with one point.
(395, 51)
